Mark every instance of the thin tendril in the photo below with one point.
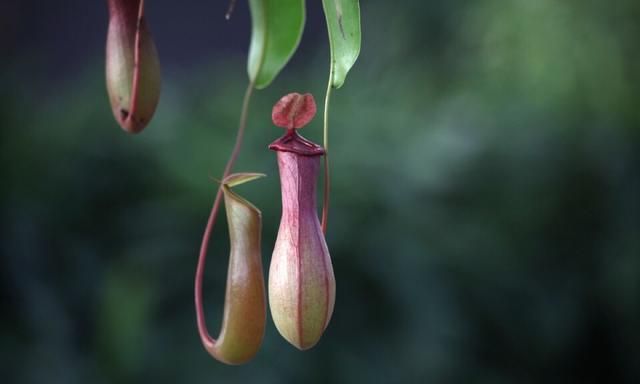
(205, 337)
(325, 136)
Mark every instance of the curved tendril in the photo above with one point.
(207, 341)
(327, 176)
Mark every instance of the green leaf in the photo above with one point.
(240, 178)
(343, 24)
(276, 31)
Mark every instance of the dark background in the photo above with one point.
(485, 223)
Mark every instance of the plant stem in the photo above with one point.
(205, 337)
(325, 142)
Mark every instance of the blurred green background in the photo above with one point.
(485, 223)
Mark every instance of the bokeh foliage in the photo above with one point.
(485, 219)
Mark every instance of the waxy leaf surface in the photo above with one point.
(244, 316)
(132, 66)
(276, 31)
(343, 24)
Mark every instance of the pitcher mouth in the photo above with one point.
(293, 142)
